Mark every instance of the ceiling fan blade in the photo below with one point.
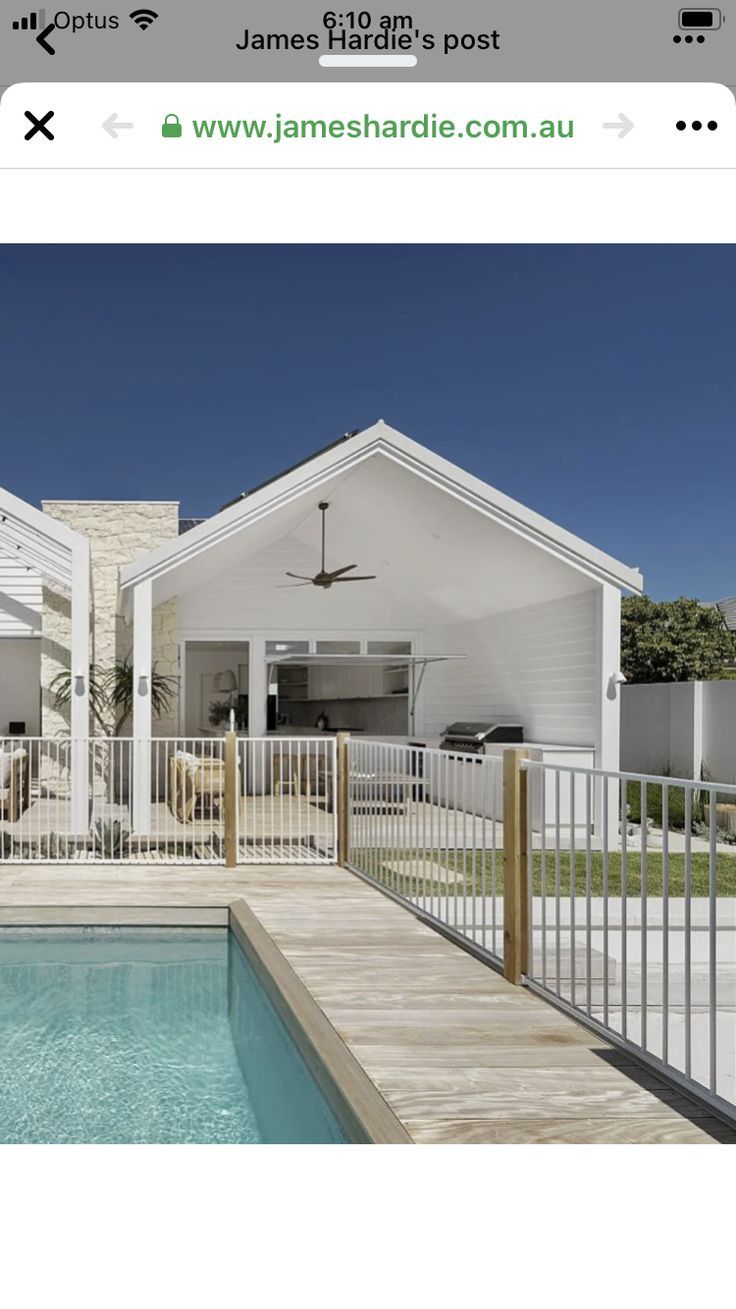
(300, 577)
(370, 577)
(291, 586)
(337, 572)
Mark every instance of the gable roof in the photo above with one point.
(341, 457)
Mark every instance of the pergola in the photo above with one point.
(62, 557)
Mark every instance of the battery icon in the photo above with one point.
(700, 20)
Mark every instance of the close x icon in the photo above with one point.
(39, 125)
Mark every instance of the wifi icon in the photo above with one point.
(143, 18)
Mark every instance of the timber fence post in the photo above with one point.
(515, 886)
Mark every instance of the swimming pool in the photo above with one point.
(142, 1035)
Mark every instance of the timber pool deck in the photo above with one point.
(458, 1054)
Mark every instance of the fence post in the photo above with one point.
(343, 791)
(515, 888)
(231, 800)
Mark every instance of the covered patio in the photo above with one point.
(452, 566)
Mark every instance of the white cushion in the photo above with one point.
(7, 759)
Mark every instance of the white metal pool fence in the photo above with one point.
(220, 800)
(425, 825)
(632, 924)
(613, 894)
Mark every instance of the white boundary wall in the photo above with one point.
(680, 728)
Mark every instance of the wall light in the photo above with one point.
(143, 684)
(79, 683)
(615, 680)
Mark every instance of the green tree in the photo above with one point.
(673, 640)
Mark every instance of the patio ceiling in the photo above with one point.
(439, 541)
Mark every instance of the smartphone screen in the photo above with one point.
(422, 311)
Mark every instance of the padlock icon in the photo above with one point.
(171, 127)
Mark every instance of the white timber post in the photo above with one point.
(142, 657)
(258, 688)
(79, 652)
(257, 709)
(608, 735)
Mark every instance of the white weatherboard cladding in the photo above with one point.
(61, 557)
(20, 600)
(537, 665)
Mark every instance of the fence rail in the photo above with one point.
(166, 801)
(424, 825)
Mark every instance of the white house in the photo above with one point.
(454, 566)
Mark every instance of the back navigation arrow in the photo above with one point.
(112, 126)
(41, 39)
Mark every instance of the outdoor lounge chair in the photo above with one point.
(296, 770)
(196, 786)
(15, 784)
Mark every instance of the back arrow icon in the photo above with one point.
(41, 39)
(623, 126)
(112, 126)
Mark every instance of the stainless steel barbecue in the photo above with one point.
(472, 738)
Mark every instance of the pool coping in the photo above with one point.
(114, 916)
(352, 1096)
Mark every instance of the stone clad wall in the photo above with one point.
(119, 531)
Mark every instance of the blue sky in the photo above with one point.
(596, 384)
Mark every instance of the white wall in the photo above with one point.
(20, 600)
(646, 716)
(538, 665)
(680, 728)
(20, 683)
(719, 730)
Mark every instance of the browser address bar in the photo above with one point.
(424, 125)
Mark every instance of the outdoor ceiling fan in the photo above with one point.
(324, 578)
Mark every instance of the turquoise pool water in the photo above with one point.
(128, 1035)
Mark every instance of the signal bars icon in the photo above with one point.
(34, 22)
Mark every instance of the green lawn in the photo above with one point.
(477, 873)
